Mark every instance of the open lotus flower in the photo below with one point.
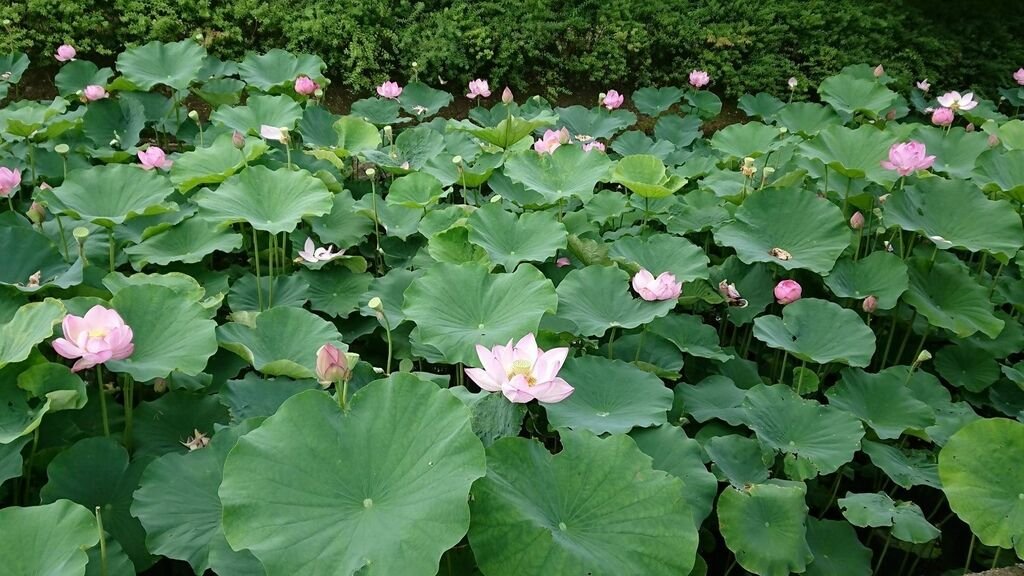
(390, 90)
(942, 117)
(955, 101)
(612, 100)
(788, 291)
(310, 253)
(9, 180)
(652, 289)
(477, 88)
(522, 372)
(1019, 76)
(551, 140)
(93, 339)
(65, 53)
(154, 157)
(699, 78)
(792, 82)
(908, 157)
(94, 92)
(305, 85)
(593, 145)
(923, 85)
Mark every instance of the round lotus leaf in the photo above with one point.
(379, 111)
(679, 130)
(854, 153)
(654, 101)
(594, 122)
(343, 226)
(188, 242)
(878, 509)
(509, 129)
(967, 367)
(646, 176)
(752, 139)
(806, 118)
(739, 460)
(635, 142)
(412, 149)
(173, 64)
(416, 190)
(336, 291)
(279, 69)
(760, 105)
(705, 103)
(882, 401)
(982, 472)
(822, 437)
(850, 95)
(673, 452)
(290, 290)
(879, 274)
(181, 284)
(221, 91)
(567, 172)
(276, 111)
(509, 239)
(818, 331)
(456, 307)
(353, 135)
(790, 227)
(110, 194)
(11, 463)
(1001, 172)
(905, 468)
(283, 341)
(956, 151)
(948, 297)
(49, 539)
(836, 549)
(162, 424)
(690, 335)
(663, 253)
(765, 526)
(422, 100)
(273, 201)
(611, 396)
(30, 325)
(597, 298)
(35, 254)
(713, 397)
(389, 480)
(528, 517)
(215, 163)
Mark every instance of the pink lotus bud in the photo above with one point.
(36, 213)
(787, 291)
(1019, 76)
(869, 304)
(9, 180)
(652, 289)
(93, 339)
(506, 96)
(65, 53)
(331, 366)
(390, 90)
(305, 85)
(879, 71)
(699, 78)
(923, 85)
(612, 100)
(857, 220)
(890, 115)
(970, 127)
(562, 262)
(993, 141)
(238, 140)
(94, 92)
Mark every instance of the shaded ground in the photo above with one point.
(1008, 571)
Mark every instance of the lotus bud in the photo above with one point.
(496, 198)
(388, 132)
(331, 366)
(857, 220)
(879, 71)
(792, 82)
(415, 65)
(506, 96)
(970, 127)
(924, 356)
(238, 140)
(869, 304)
(62, 149)
(890, 115)
(376, 304)
(318, 93)
(370, 172)
(36, 213)
(194, 115)
(993, 141)
(788, 291)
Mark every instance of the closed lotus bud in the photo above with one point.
(748, 161)
(415, 65)
(879, 71)
(857, 221)
(36, 213)
(496, 198)
(883, 198)
(993, 141)
(331, 366)
(318, 93)
(924, 356)
(768, 171)
(194, 115)
(387, 132)
(891, 115)
(62, 149)
(506, 95)
(238, 140)
(970, 127)
(869, 304)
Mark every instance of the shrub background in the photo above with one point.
(747, 45)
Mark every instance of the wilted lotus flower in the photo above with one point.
(196, 441)
(699, 78)
(98, 336)
(65, 53)
(787, 291)
(310, 253)
(522, 372)
(551, 140)
(942, 117)
(652, 289)
(506, 96)
(9, 180)
(857, 220)
(477, 88)
(595, 145)
(879, 71)
(34, 279)
(154, 157)
(390, 90)
(908, 157)
(273, 133)
(94, 92)
(954, 101)
(612, 100)
(869, 304)
(331, 366)
(923, 85)
(731, 294)
(1019, 76)
(562, 262)
(305, 85)
(792, 82)
(36, 213)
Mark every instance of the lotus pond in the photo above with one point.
(264, 338)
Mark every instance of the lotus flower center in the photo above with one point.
(522, 368)
(98, 333)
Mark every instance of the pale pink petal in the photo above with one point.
(483, 380)
(526, 349)
(517, 390)
(66, 349)
(554, 391)
(549, 363)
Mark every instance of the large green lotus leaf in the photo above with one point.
(836, 549)
(760, 105)
(946, 295)
(62, 389)
(390, 288)
(882, 401)
(967, 367)
(95, 473)
(752, 139)
(22, 119)
(494, 417)
(381, 488)
(276, 111)
(853, 153)
(739, 460)
(178, 505)
(49, 539)
(171, 332)
(188, 242)
(811, 230)
(982, 472)
(273, 201)
(636, 142)
(597, 298)
(597, 507)
(679, 130)
(673, 452)
(690, 335)
(11, 463)
(279, 69)
(956, 151)
(653, 101)
(765, 526)
(510, 239)
(221, 91)
(878, 509)
(31, 324)
(379, 111)
(422, 100)
(335, 291)
(611, 396)
(1001, 172)
(705, 103)
(850, 95)
(713, 397)
(453, 246)
(509, 130)
(594, 122)
(470, 173)
(934, 207)
(412, 149)
(290, 290)
(316, 127)
(120, 120)
(35, 253)
(807, 118)
(215, 163)
(343, 226)
(354, 135)
(416, 190)
(253, 396)
(110, 194)
(174, 64)
(456, 307)
(283, 342)
(822, 437)
(818, 331)
(13, 65)
(645, 175)
(905, 468)
(567, 172)
(880, 274)
(162, 425)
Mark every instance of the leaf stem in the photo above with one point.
(128, 387)
(103, 542)
(103, 400)
(885, 548)
(256, 260)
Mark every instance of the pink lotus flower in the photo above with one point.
(9, 180)
(305, 85)
(652, 289)
(787, 291)
(390, 90)
(551, 140)
(331, 365)
(94, 92)
(869, 304)
(310, 253)
(879, 71)
(154, 157)
(593, 145)
(857, 220)
(98, 336)
(612, 100)
(908, 157)
(954, 101)
(699, 78)
(563, 262)
(1019, 76)
(506, 96)
(65, 53)
(478, 87)
(923, 85)
(942, 117)
(522, 372)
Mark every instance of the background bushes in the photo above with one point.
(747, 45)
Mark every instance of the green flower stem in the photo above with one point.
(640, 345)
(30, 463)
(885, 548)
(970, 554)
(110, 248)
(103, 400)
(611, 341)
(128, 387)
(782, 371)
(103, 542)
(10, 203)
(63, 240)
(995, 559)
(906, 337)
(888, 342)
(343, 395)
(376, 221)
(270, 271)
(387, 331)
(995, 279)
(800, 379)
(835, 491)
(256, 260)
